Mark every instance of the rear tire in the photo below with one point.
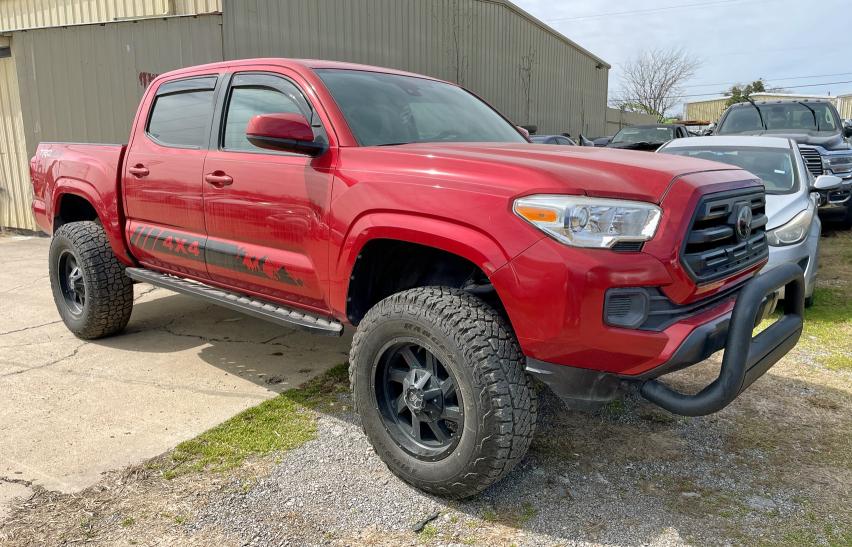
(471, 419)
(93, 295)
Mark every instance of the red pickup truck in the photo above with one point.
(326, 195)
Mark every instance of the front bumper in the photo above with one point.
(745, 359)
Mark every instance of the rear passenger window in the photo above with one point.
(182, 113)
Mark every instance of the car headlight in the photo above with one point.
(838, 164)
(794, 231)
(589, 222)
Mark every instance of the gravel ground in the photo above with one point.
(774, 468)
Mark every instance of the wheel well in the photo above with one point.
(73, 208)
(385, 267)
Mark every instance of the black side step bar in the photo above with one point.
(258, 308)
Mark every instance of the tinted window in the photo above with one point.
(254, 94)
(182, 118)
(778, 117)
(774, 166)
(633, 135)
(384, 109)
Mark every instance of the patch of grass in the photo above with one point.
(128, 522)
(428, 533)
(282, 423)
(827, 335)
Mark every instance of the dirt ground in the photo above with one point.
(774, 468)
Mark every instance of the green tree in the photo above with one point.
(740, 93)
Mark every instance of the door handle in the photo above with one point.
(218, 179)
(138, 171)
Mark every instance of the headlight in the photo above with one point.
(589, 222)
(794, 231)
(838, 164)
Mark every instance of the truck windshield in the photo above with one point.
(651, 135)
(388, 109)
(774, 166)
(791, 116)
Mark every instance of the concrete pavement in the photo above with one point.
(71, 410)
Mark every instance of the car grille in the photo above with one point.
(716, 246)
(813, 160)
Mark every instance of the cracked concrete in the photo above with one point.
(72, 410)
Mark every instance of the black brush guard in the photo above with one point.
(746, 359)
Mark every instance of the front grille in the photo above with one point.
(716, 247)
(813, 160)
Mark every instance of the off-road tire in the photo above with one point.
(108, 290)
(499, 402)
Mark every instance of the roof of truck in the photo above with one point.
(312, 64)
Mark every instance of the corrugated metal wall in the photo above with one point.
(490, 46)
(616, 119)
(704, 110)
(26, 14)
(15, 193)
(844, 105)
(84, 83)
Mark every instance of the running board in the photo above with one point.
(258, 308)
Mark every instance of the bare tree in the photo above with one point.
(653, 82)
(460, 21)
(525, 70)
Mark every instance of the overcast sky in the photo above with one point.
(790, 43)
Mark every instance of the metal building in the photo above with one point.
(74, 70)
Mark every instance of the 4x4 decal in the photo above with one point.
(217, 253)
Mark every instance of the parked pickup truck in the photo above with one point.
(327, 196)
(822, 137)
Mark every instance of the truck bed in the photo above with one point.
(61, 171)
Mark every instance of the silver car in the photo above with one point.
(794, 228)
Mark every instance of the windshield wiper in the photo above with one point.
(759, 113)
(813, 112)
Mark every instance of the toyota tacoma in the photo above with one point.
(330, 196)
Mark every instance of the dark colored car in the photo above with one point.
(601, 142)
(647, 137)
(553, 139)
(816, 127)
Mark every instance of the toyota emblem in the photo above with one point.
(743, 224)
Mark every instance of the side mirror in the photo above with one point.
(523, 131)
(847, 131)
(827, 182)
(710, 129)
(283, 132)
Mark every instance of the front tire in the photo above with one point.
(92, 293)
(438, 379)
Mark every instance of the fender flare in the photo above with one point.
(109, 215)
(461, 240)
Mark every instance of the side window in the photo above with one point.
(253, 94)
(181, 113)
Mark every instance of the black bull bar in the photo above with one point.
(745, 359)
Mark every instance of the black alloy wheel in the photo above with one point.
(71, 282)
(418, 400)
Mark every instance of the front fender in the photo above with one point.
(461, 240)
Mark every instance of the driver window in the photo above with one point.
(254, 94)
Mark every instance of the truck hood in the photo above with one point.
(517, 169)
(829, 141)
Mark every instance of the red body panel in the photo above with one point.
(289, 228)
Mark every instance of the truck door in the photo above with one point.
(163, 184)
(265, 211)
